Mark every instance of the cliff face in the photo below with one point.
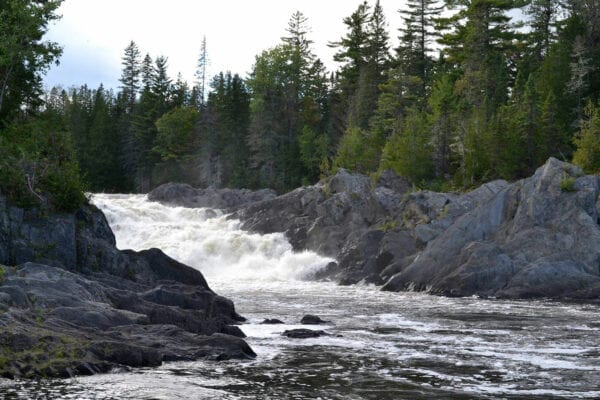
(538, 237)
(71, 303)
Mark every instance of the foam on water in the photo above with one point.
(207, 240)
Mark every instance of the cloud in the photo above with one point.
(95, 32)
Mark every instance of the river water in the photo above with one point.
(382, 345)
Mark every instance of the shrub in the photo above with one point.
(567, 183)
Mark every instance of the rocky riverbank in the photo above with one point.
(534, 238)
(71, 303)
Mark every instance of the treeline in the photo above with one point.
(470, 94)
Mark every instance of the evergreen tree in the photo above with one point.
(130, 77)
(201, 74)
(408, 152)
(587, 155)
(147, 71)
(24, 55)
(414, 51)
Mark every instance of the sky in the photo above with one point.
(94, 33)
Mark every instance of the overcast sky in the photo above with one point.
(94, 33)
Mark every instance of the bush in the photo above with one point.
(567, 183)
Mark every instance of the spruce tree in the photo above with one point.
(130, 76)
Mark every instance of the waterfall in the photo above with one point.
(206, 240)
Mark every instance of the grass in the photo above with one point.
(567, 183)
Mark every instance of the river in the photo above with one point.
(382, 345)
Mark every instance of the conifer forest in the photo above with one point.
(475, 90)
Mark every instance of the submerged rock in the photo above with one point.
(271, 321)
(304, 333)
(71, 303)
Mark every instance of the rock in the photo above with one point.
(312, 320)
(271, 321)
(304, 333)
(530, 239)
(181, 194)
(77, 305)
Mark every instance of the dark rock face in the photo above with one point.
(71, 303)
(181, 194)
(309, 319)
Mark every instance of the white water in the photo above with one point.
(207, 240)
(384, 346)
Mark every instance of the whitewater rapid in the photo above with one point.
(206, 240)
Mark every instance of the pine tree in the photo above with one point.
(147, 71)
(414, 51)
(408, 152)
(200, 74)
(130, 77)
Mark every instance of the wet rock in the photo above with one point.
(304, 333)
(312, 320)
(271, 321)
(77, 305)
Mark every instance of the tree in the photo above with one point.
(174, 133)
(543, 16)
(130, 77)
(587, 155)
(352, 48)
(478, 42)
(201, 73)
(413, 53)
(24, 55)
(289, 93)
(408, 152)
(147, 71)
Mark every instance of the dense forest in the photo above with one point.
(475, 90)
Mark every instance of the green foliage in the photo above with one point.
(38, 166)
(313, 151)
(587, 155)
(24, 56)
(1, 274)
(174, 133)
(408, 152)
(567, 183)
(388, 225)
(354, 152)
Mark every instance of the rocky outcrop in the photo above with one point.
(538, 237)
(184, 195)
(71, 303)
(373, 228)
